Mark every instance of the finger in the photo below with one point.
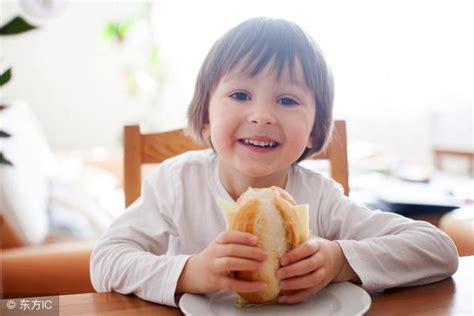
(304, 250)
(316, 278)
(300, 268)
(237, 264)
(241, 251)
(298, 296)
(229, 283)
(236, 237)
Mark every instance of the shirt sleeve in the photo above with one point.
(131, 256)
(385, 249)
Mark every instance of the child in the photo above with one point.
(263, 100)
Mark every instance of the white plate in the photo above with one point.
(336, 299)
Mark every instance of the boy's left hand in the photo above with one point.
(308, 268)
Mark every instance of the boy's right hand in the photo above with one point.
(210, 270)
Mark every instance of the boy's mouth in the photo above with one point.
(258, 143)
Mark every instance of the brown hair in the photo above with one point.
(258, 41)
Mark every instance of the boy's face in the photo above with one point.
(260, 125)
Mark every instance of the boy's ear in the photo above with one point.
(310, 142)
(205, 130)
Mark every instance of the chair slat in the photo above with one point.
(161, 146)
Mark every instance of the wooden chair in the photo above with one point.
(154, 148)
(336, 153)
(441, 153)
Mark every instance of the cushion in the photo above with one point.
(24, 187)
(84, 200)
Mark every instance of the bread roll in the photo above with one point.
(272, 215)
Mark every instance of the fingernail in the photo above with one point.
(284, 261)
(253, 239)
(263, 286)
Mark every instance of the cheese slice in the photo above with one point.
(230, 210)
(302, 212)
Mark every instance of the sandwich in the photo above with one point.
(279, 224)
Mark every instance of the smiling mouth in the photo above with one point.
(259, 144)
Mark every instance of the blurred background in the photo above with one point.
(404, 84)
(403, 69)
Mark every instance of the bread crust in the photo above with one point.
(290, 219)
(246, 217)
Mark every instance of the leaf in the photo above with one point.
(112, 30)
(117, 30)
(109, 30)
(4, 161)
(5, 77)
(16, 26)
(4, 134)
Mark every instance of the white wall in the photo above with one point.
(69, 75)
(395, 64)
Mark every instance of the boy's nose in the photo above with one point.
(262, 114)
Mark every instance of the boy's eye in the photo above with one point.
(241, 96)
(287, 101)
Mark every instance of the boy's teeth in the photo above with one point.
(259, 143)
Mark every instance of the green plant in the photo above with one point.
(15, 26)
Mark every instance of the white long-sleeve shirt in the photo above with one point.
(144, 250)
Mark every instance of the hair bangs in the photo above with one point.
(274, 42)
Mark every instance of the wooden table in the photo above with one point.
(453, 296)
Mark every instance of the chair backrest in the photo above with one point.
(156, 147)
